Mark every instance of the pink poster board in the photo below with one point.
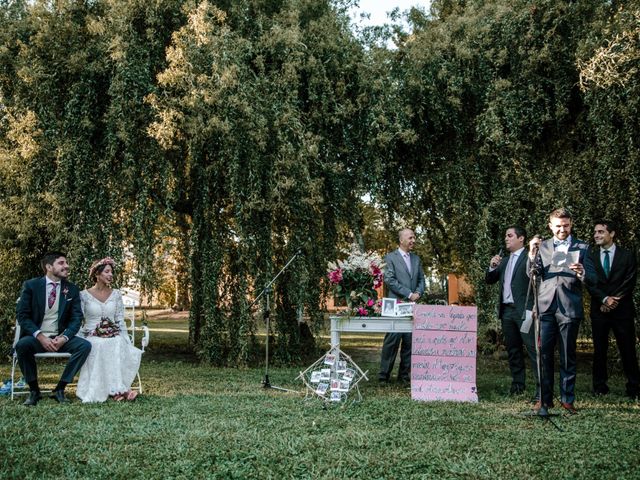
(443, 357)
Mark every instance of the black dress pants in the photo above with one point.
(625, 334)
(390, 347)
(28, 346)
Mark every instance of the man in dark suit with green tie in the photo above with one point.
(404, 279)
(612, 307)
(510, 273)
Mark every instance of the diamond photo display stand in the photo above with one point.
(333, 377)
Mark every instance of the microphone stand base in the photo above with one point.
(267, 385)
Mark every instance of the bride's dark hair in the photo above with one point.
(98, 267)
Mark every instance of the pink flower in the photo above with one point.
(362, 311)
(370, 302)
(335, 276)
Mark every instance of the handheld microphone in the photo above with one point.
(535, 248)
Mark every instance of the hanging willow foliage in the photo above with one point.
(262, 100)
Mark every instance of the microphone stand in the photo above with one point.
(543, 413)
(267, 315)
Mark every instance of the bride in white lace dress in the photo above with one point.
(113, 362)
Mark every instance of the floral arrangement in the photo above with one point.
(106, 329)
(356, 279)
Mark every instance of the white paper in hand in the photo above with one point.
(528, 320)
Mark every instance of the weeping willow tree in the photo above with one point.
(265, 100)
(238, 128)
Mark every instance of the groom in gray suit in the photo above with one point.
(404, 279)
(562, 266)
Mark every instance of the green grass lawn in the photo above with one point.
(195, 421)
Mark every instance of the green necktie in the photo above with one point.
(606, 263)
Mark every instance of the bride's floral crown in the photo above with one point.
(98, 263)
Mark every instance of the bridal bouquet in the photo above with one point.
(106, 329)
(356, 279)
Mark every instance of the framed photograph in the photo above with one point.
(335, 384)
(388, 307)
(325, 374)
(315, 376)
(335, 397)
(349, 374)
(344, 386)
(329, 359)
(341, 366)
(404, 309)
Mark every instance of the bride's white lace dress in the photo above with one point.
(113, 362)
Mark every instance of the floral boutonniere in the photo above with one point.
(65, 292)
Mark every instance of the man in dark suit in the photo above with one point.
(511, 275)
(50, 315)
(612, 307)
(561, 265)
(404, 279)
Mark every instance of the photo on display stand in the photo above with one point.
(404, 309)
(322, 389)
(389, 307)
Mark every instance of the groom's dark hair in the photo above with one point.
(49, 258)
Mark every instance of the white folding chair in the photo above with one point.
(130, 318)
(24, 390)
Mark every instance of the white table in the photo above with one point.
(368, 325)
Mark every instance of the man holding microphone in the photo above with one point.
(510, 273)
(561, 265)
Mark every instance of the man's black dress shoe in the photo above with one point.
(34, 398)
(58, 396)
